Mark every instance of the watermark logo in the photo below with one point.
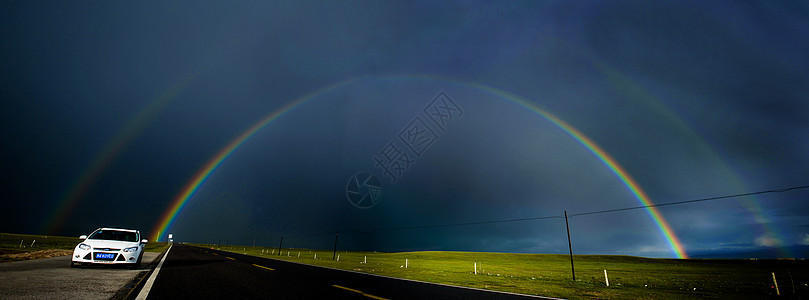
(364, 190)
(443, 110)
(413, 141)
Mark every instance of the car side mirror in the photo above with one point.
(83, 237)
(144, 241)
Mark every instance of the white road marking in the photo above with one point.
(148, 286)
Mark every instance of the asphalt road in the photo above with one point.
(198, 273)
(53, 278)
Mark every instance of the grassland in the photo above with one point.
(550, 275)
(15, 247)
(533, 274)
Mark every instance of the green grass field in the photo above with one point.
(22, 246)
(534, 274)
(550, 275)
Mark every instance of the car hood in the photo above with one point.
(109, 244)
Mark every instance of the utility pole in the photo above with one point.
(570, 246)
(280, 244)
(334, 256)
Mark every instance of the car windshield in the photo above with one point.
(114, 235)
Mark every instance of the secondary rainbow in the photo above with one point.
(130, 131)
(179, 201)
(177, 204)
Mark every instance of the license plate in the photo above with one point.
(105, 256)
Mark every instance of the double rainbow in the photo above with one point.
(169, 216)
(131, 130)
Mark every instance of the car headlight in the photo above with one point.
(84, 247)
(131, 249)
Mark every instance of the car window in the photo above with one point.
(114, 235)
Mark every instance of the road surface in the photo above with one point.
(198, 273)
(53, 278)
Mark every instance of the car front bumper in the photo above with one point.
(106, 257)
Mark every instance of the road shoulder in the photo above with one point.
(53, 278)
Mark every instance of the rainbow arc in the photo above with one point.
(175, 207)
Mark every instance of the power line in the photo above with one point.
(426, 226)
(588, 213)
(782, 190)
(692, 201)
(461, 224)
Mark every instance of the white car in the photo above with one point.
(109, 246)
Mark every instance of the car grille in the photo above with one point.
(117, 257)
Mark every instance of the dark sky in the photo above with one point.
(110, 109)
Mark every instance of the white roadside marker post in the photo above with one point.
(365, 260)
(606, 278)
(476, 268)
(338, 257)
(32, 243)
(405, 263)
